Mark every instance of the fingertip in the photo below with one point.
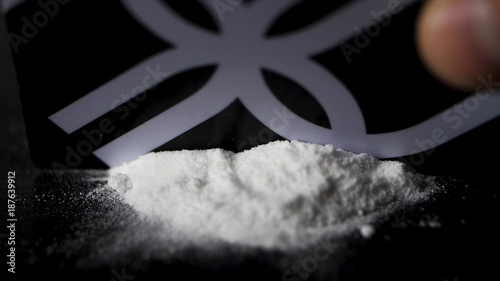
(458, 40)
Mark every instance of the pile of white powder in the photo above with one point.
(280, 195)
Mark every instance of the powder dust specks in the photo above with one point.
(279, 196)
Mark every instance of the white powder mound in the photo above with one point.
(280, 195)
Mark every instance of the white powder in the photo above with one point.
(366, 230)
(280, 195)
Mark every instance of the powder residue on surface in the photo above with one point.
(282, 195)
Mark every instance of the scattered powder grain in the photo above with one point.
(280, 195)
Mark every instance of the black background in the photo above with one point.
(77, 51)
(51, 210)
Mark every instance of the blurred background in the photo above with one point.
(14, 145)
